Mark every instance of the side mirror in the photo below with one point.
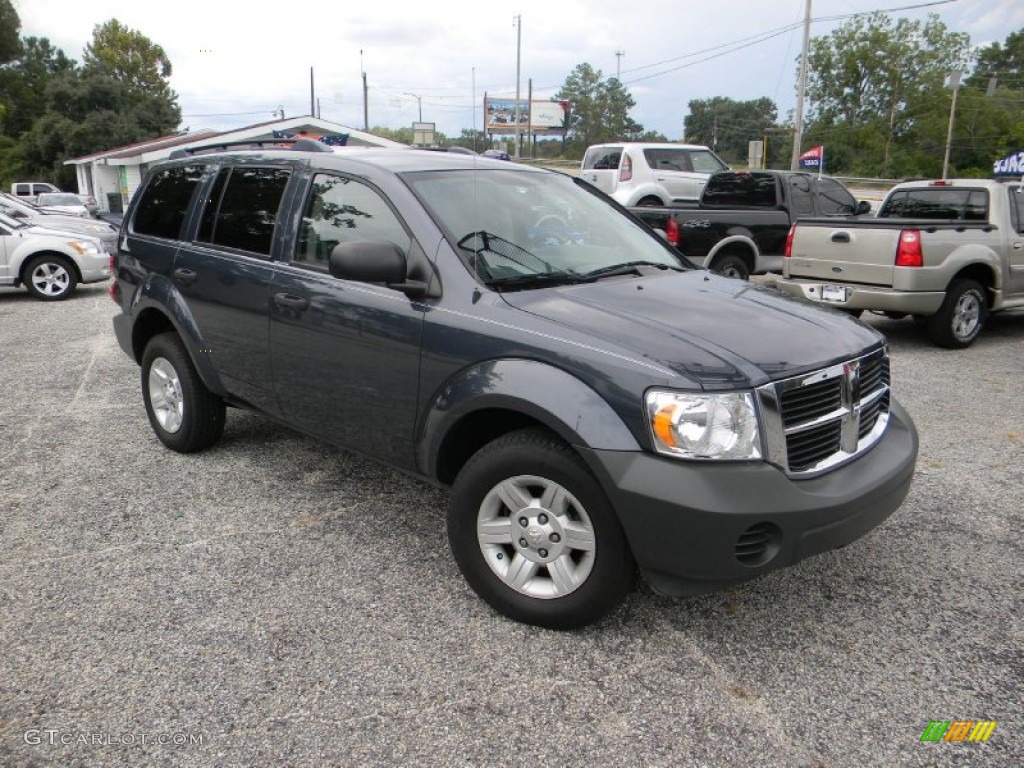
(374, 262)
(862, 207)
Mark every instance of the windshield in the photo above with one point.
(58, 199)
(510, 226)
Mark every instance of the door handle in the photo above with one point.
(185, 276)
(291, 301)
(841, 237)
(1018, 245)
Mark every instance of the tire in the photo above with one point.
(650, 202)
(50, 277)
(961, 317)
(569, 565)
(184, 414)
(731, 265)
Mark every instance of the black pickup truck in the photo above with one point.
(739, 227)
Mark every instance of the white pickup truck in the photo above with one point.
(945, 252)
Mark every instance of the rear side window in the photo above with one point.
(1017, 207)
(602, 159)
(23, 189)
(341, 210)
(934, 203)
(705, 161)
(740, 190)
(669, 160)
(834, 199)
(243, 214)
(164, 203)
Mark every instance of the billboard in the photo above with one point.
(537, 116)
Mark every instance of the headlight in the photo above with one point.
(83, 247)
(704, 426)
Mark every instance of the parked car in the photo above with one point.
(593, 400)
(497, 154)
(32, 215)
(740, 225)
(945, 252)
(50, 264)
(30, 190)
(64, 202)
(636, 173)
(90, 204)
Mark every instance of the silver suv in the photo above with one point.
(636, 173)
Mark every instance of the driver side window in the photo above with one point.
(341, 210)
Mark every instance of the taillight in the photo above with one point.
(115, 292)
(113, 264)
(789, 242)
(626, 169)
(672, 232)
(908, 252)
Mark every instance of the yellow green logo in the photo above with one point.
(958, 730)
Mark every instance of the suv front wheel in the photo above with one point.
(185, 415)
(534, 535)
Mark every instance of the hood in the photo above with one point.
(718, 331)
(35, 229)
(55, 223)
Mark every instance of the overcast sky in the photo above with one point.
(235, 63)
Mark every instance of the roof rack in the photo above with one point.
(300, 144)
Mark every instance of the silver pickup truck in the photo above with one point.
(945, 252)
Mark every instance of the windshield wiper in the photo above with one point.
(527, 281)
(628, 268)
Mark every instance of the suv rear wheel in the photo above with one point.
(534, 535)
(960, 318)
(185, 415)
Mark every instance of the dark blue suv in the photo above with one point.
(595, 403)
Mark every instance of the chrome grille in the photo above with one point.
(820, 420)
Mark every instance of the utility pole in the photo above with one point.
(529, 116)
(473, 102)
(714, 134)
(954, 83)
(366, 111)
(519, 45)
(798, 121)
(312, 97)
(419, 101)
(618, 65)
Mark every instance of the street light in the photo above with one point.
(419, 101)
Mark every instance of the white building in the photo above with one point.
(113, 176)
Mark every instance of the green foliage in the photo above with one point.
(727, 126)
(599, 111)
(10, 23)
(130, 57)
(23, 83)
(55, 110)
(880, 104)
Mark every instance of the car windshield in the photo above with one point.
(58, 199)
(520, 229)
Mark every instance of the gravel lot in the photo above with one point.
(284, 603)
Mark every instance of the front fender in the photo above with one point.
(551, 396)
(158, 296)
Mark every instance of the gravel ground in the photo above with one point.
(276, 602)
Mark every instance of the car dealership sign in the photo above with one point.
(1011, 165)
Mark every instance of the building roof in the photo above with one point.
(159, 149)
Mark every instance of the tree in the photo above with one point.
(130, 57)
(23, 83)
(10, 24)
(1004, 62)
(599, 109)
(727, 126)
(873, 79)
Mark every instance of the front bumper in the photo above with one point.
(689, 523)
(864, 296)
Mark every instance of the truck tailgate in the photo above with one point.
(847, 254)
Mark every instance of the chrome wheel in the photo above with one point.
(536, 536)
(50, 279)
(966, 315)
(165, 395)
